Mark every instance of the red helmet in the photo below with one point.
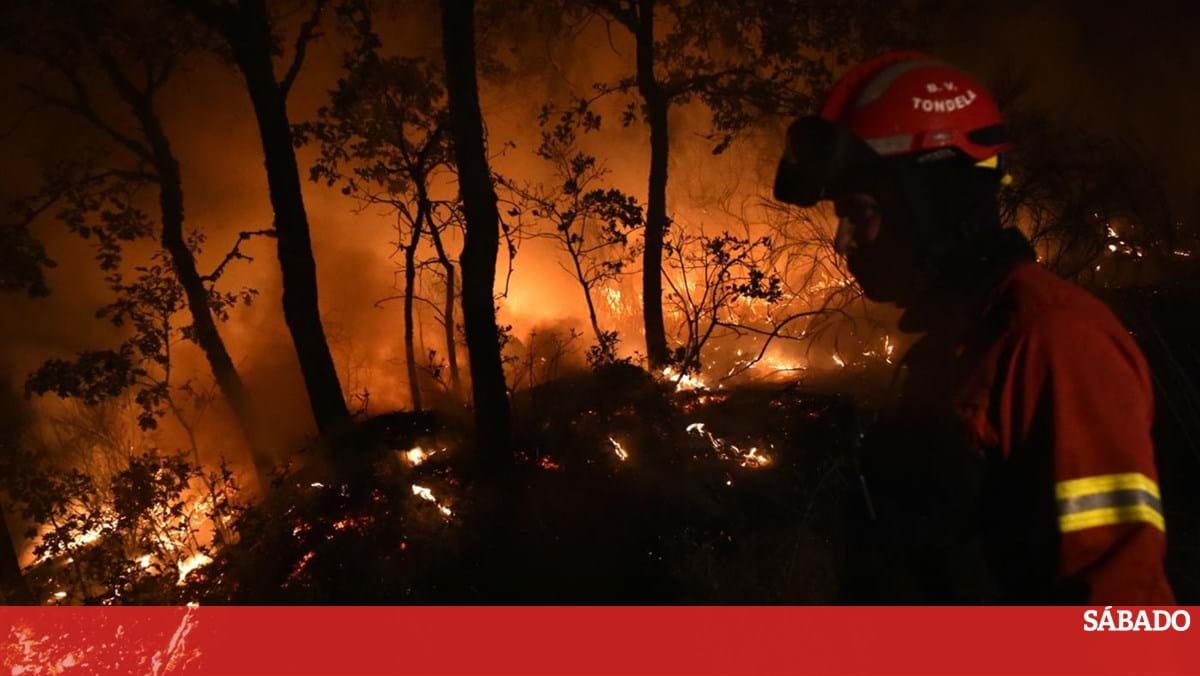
(900, 104)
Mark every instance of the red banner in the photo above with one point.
(602, 640)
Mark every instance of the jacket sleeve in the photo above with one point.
(1083, 392)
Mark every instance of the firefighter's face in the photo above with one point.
(870, 238)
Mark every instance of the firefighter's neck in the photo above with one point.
(960, 279)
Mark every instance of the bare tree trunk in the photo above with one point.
(170, 198)
(247, 30)
(410, 283)
(204, 327)
(482, 240)
(448, 310)
(656, 198)
(587, 294)
(13, 586)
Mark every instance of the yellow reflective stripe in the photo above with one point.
(1108, 516)
(1106, 483)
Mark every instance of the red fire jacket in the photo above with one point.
(1051, 388)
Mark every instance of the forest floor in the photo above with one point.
(625, 489)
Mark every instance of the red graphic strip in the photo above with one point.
(572, 640)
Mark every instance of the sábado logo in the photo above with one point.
(1124, 619)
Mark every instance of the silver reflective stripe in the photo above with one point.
(889, 145)
(884, 79)
(1121, 498)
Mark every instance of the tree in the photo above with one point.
(148, 304)
(133, 55)
(14, 588)
(247, 28)
(383, 137)
(707, 276)
(482, 238)
(591, 224)
(744, 61)
(23, 258)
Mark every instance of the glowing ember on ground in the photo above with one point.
(317, 484)
(727, 451)
(191, 563)
(144, 561)
(415, 456)
(427, 495)
(622, 454)
(837, 359)
(754, 459)
(60, 595)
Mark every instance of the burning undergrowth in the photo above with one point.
(142, 536)
(625, 488)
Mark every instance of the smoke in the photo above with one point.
(209, 120)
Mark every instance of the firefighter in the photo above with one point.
(1015, 464)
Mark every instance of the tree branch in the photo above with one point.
(306, 35)
(82, 105)
(235, 253)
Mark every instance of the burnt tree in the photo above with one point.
(482, 238)
(248, 30)
(383, 140)
(122, 44)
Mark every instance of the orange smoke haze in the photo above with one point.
(208, 118)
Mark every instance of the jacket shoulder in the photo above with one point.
(1064, 319)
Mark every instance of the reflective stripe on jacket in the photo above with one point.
(1053, 391)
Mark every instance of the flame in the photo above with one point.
(622, 454)
(191, 563)
(614, 300)
(144, 561)
(755, 459)
(417, 455)
(683, 381)
(427, 495)
(750, 458)
(837, 359)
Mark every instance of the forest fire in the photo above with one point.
(328, 307)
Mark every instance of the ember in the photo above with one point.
(751, 457)
(622, 454)
(427, 495)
